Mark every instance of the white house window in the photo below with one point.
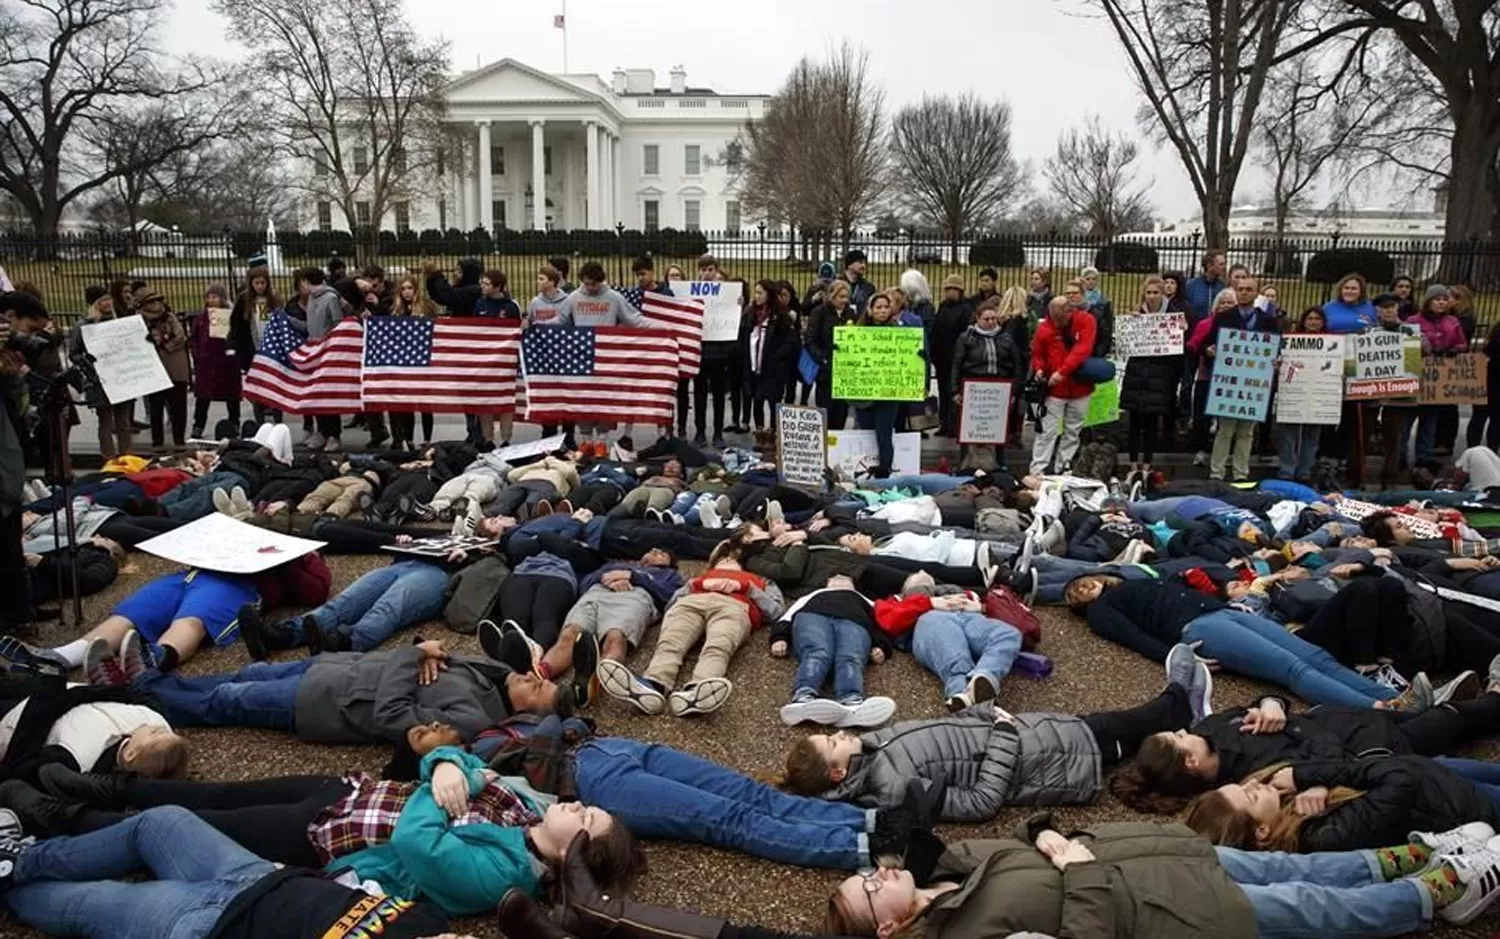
(442, 215)
(497, 214)
(403, 216)
(362, 214)
(325, 216)
(361, 159)
(320, 166)
(732, 215)
(398, 159)
(692, 215)
(651, 159)
(497, 160)
(653, 214)
(547, 160)
(692, 159)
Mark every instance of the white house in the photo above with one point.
(575, 151)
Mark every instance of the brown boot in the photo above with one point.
(521, 917)
(588, 913)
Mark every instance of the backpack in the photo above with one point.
(1003, 604)
(471, 594)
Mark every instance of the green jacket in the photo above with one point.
(465, 870)
(1149, 881)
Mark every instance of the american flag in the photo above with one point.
(459, 364)
(613, 373)
(683, 317)
(317, 376)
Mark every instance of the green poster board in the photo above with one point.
(879, 363)
(1104, 404)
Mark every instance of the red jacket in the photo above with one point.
(746, 580)
(898, 615)
(1049, 354)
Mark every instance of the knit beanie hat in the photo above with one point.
(1434, 290)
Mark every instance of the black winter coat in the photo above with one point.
(1324, 733)
(1401, 794)
(952, 319)
(459, 298)
(820, 324)
(976, 355)
(778, 360)
(1150, 384)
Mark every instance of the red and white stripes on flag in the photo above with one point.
(608, 374)
(683, 317)
(319, 376)
(458, 364)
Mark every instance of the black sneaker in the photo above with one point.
(506, 645)
(13, 842)
(249, 429)
(585, 668)
(44, 815)
(250, 632)
(99, 790)
(312, 633)
(367, 504)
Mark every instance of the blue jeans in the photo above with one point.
(1330, 895)
(881, 417)
(73, 887)
(194, 499)
(1484, 775)
(957, 646)
(260, 695)
(383, 600)
(1260, 648)
(928, 483)
(1297, 449)
(663, 793)
(1187, 507)
(821, 643)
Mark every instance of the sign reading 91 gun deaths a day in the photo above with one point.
(1383, 364)
(802, 446)
(721, 306)
(1244, 372)
(879, 363)
(1311, 386)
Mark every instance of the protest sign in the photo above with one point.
(1454, 379)
(535, 448)
(218, 322)
(1104, 402)
(1311, 390)
(1244, 372)
(721, 306)
(801, 445)
(853, 453)
(441, 546)
(219, 543)
(1150, 334)
(984, 412)
(1382, 364)
(879, 363)
(124, 359)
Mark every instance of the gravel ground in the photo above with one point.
(1090, 675)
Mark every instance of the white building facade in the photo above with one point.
(576, 152)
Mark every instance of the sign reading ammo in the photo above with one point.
(879, 363)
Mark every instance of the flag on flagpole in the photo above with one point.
(307, 376)
(453, 364)
(560, 21)
(683, 318)
(608, 374)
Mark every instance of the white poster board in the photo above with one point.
(520, 451)
(218, 322)
(1311, 386)
(124, 359)
(219, 543)
(984, 413)
(853, 453)
(801, 445)
(1153, 334)
(721, 306)
(1379, 355)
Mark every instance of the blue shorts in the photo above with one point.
(212, 599)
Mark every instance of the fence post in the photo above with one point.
(229, 260)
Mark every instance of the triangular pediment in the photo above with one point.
(509, 80)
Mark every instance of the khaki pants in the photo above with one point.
(337, 497)
(115, 431)
(722, 622)
(1240, 435)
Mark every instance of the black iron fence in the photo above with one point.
(1304, 270)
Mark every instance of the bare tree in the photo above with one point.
(1093, 172)
(358, 99)
(73, 71)
(1202, 67)
(817, 158)
(953, 163)
(228, 185)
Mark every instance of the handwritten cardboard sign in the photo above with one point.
(219, 543)
(722, 303)
(879, 363)
(1244, 373)
(984, 412)
(124, 359)
(1311, 387)
(802, 445)
(1456, 379)
(1142, 334)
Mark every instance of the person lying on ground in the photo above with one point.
(618, 602)
(987, 759)
(1232, 744)
(832, 632)
(1151, 616)
(1150, 880)
(787, 558)
(722, 607)
(95, 562)
(172, 616)
(1340, 805)
(205, 886)
(458, 836)
(344, 697)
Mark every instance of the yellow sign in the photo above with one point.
(879, 363)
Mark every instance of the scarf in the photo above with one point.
(986, 332)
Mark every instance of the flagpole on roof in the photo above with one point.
(563, 22)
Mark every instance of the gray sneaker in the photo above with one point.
(333, 445)
(810, 709)
(1492, 681)
(1416, 698)
(1465, 687)
(314, 441)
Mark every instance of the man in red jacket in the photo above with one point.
(1063, 341)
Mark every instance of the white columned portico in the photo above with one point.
(591, 139)
(616, 173)
(486, 181)
(538, 175)
(607, 207)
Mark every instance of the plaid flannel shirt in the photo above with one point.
(367, 816)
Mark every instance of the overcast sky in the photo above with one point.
(1052, 64)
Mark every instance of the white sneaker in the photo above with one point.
(959, 702)
(700, 697)
(620, 682)
(334, 445)
(314, 441)
(1460, 840)
(980, 689)
(774, 515)
(1479, 871)
(824, 711)
(240, 501)
(871, 712)
(708, 515)
(468, 523)
(222, 503)
(1200, 458)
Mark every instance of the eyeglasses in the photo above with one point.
(873, 884)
